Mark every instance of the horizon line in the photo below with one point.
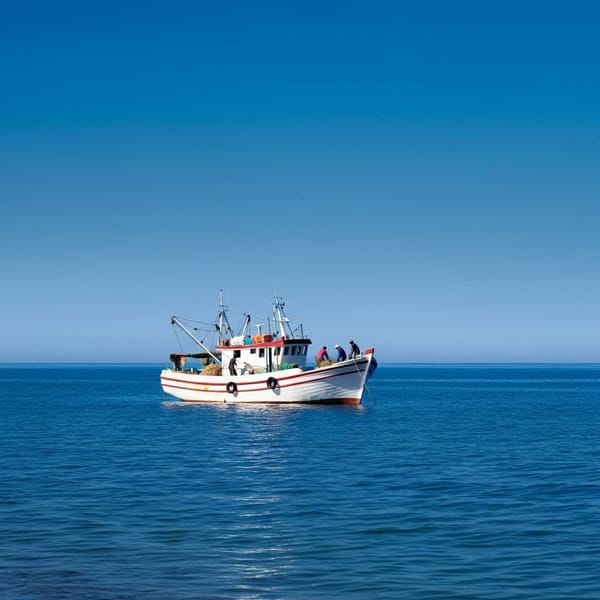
(381, 363)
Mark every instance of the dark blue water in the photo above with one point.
(449, 483)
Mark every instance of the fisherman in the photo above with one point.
(232, 370)
(177, 360)
(321, 356)
(341, 353)
(354, 349)
(248, 368)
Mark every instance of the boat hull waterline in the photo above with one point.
(340, 383)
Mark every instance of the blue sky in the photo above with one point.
(424, 179)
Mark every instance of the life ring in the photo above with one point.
(272, 383)
(232, 387)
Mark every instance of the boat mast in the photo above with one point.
(223, 322)
(175, 321)
(280, 319)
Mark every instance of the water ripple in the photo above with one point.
(455, 483)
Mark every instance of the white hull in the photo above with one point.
(340, 383)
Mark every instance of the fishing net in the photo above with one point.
(212, 369)
(326, 363)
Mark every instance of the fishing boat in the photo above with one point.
(262, 368)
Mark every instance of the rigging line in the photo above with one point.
(371, 396)
(207, 325)
(178, 340)
(366, 386)
(356, 367)
(204, 331)
(206, 335)
(194, 321)
(207, 329)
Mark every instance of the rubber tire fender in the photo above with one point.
(272, 383)
(232, 387)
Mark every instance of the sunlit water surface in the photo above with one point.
(450, 482)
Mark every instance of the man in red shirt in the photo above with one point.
(321, 355)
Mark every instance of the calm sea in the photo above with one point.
(450, 482)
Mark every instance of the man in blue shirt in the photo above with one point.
(341, 353)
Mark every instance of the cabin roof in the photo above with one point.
(273, 343)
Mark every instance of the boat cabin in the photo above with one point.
(263, 353)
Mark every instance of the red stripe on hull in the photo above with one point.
(223, 386)
(330, 401)
(307, 375)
